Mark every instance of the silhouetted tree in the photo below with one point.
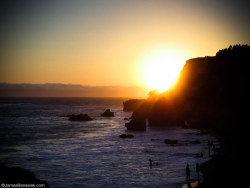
(233, 50)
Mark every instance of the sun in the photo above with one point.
(160, 67)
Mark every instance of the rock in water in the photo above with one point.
(79, 117)
(126, 136)
(107, 113)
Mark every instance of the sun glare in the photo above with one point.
(160, 68)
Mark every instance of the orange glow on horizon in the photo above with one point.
(114, 43)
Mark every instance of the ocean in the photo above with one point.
(35, 134)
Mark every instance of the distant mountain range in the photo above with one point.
(68, 90)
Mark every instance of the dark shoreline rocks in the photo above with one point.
(16, 175)
(79, 117)
(138, 120)
(136, 125)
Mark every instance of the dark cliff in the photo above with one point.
(211, 92)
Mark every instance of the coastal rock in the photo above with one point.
(79, 117)
(139, 117)
(136, 125)
(107, 113)
(15, 175)
(126, 136)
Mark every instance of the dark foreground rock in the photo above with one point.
(107, 113)
(79, 117)
(136, 125)
(139, 118)
(16, 175)
(126, 136)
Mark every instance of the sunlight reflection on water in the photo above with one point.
(91, 154)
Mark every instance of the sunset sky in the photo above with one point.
(105, 42)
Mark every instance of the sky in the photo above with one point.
(103, 43)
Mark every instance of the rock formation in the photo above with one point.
(16, 175)
(79, 117)
(126, 136)
(107, 113)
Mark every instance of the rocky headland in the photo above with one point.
(211, 94)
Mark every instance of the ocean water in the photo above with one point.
(35, 134)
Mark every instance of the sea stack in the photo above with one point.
(107, 113)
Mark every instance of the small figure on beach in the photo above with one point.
(187, 172)
(198, 170)
(150, 163)
(213, 148)
(212, 142)
(209, 147)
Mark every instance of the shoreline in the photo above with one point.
(19, 176)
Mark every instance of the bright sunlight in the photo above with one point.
(160, 67)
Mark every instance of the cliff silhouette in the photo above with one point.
(212, 93)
